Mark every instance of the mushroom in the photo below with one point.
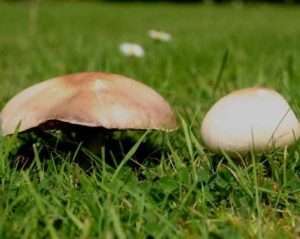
(252, 119)
(91, 99)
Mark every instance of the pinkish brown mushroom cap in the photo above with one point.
(92, 99)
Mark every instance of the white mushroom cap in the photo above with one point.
(91, 99)
(250, 119)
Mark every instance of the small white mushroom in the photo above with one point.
(255, 119)
(132, 50)
(160, 36)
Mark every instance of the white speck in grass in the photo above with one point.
(132, 49)
(160, 36)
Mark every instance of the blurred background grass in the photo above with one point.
(174, 1)
(58, 38)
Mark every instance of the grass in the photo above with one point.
(150, 185)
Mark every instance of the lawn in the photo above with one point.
(156, 185)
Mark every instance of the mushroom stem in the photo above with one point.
(90, 138)
(94, 139)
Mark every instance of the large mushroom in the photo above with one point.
(91, 99)
(253, 119)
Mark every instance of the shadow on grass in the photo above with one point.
(76, 147)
